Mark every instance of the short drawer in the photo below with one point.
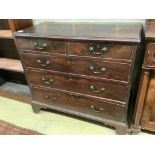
(80, 66)
(104, 50)
(41, 45)
(103, 89)
(79, 104)
(150, 62)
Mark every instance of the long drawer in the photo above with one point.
(76, 65)
(103, 89)
(41, 45)
(88, 106)
(101, 49)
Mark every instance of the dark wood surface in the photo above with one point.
(117, 51)
(35, 45)
(144, 115)
(80, 66)
(84, 31)
(8, 49)
(81, 59)
(148, 116)
(112, 51)
(80, 104)
(4, 24)
(85, 86)
(145, 110)
(150, 32)
(141, 96)
(18, 24)
(150, 60)
(149, 29)
(13, 76)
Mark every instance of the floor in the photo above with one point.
(16, 88)
(20, 113)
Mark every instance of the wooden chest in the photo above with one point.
(144, 117)
(82, 69)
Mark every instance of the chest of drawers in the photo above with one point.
(86, 70)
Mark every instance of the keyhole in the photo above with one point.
(98, 46)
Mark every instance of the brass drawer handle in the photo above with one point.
(97, 50)
(51, 99)
(93, 89)
(97, 70)
(43, 64)
(96, 109)
(48, 82)
(40, 45)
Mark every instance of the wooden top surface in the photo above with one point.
(150, 32)
(11, 64)
(84, 31)
(6, 34)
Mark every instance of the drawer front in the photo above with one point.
(103, 89)
(111, 51)
(151, 55)
(89, 106)
(88, 67)
(41, 45)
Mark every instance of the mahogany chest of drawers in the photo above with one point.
(87, 70)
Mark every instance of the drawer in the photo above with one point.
(41, 45)
(103, 89)
(151, 55)
(104, 50)
(79, 104)
(80, 66)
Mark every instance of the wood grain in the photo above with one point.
(84, 31)
(148, 115)
(150, 61)
(142, 92)
(11, 64)
(102, 89)
(81, 104)
(112, 51)
(79, 66)
(52, 46)
(145, 110)
(6, 34)
(95, 54)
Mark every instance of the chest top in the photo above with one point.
(84, 31)
(150, 32)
